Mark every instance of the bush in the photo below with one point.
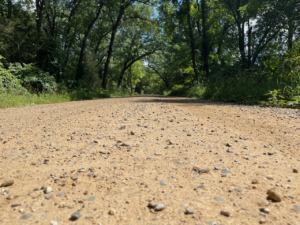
(195, 91)
(28, 76)
(33, 78)
(8, 82)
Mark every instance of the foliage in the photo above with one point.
(33, 78)
(8, 82)
(28, 76)
(245, 51)
(15, 100)
(194, 91)
(86, 93)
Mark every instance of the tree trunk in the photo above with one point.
(241, 25)
(126, 65)
(39, 11)
(290, 34)
(225, 28)
(122, 73)
(9, 9)
(158, 73)
(205, 43)
(79, 70)
(191, 38)
(72, 13)
(130, 80)
(19, 53)
(110, 49)
(249, 43)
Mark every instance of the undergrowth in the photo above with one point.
(16, 100)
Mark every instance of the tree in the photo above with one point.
(118, 7)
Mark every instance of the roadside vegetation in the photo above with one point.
(243, 51)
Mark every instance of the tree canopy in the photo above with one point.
(131, 44)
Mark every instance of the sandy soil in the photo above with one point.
(105, 160)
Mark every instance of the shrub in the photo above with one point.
(8, 82)
(33, 78)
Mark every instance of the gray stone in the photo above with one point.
(211, 223)
(163, 182)
(126, 144)
(220, 199)
(81, 170)
(75, 215)
(201, 186)
(60, 194)
(150, 158)
(206, 170)
(189, 210)
(229, 150)
(16, 152)
(225, 171)
(239, 189)
(296, 208)
(92, 198)
(48, 196)
(26, 216)
(217, 168)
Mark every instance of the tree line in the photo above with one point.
(154, 43)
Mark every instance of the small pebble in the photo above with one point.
(15, 204)
(48, 196)
(225, 213)
(7, 183)
(112, 211)
(189, 210)
(48, 190)
(163, 182)
(254, 181)
(274, 195)
(151, 204)
(159, 207)
(265, 210)
(75, 215)
(9, 197)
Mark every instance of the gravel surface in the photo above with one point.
(149, 160)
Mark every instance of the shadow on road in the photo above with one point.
(181, 100)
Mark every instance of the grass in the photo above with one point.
(120, 94)
(16, 100)
(250, 90)
(11, 100)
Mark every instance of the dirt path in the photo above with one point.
(104, 160)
